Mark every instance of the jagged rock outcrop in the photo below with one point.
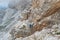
(40, 18)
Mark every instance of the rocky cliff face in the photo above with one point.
(32, 20)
